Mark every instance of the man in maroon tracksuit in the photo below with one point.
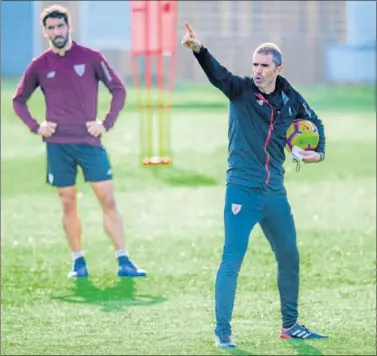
(68, 75)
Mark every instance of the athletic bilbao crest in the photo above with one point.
(79, 69)
(236, 208)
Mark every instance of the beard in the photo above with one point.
(60, 41)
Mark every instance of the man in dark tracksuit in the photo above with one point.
(261, 109)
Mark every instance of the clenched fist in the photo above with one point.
(190, 40)
(95, 128)
(46, 128)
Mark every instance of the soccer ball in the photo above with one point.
(303, 134)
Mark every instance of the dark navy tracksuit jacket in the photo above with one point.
(256, 133)
(255, 190)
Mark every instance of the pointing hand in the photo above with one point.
(190, 40)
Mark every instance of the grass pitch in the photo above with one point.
(173, 219)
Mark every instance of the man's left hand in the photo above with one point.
(95, 128)
(310, 156)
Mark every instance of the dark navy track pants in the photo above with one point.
(245, 207)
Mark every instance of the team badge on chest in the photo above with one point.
(79, 69)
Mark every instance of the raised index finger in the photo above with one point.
(189, 29)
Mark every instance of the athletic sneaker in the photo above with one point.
(128, 269)
(224, 340)
(298, 331)
(79, 269)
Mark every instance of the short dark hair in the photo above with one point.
(55, 12)
(271, 48)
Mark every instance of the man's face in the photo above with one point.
(264, 71)
(57, 32)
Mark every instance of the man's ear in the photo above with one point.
(279, 69)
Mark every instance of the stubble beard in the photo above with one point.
(61, 44)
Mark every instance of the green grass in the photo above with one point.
(173, 219)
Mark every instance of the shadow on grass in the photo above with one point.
(114, 298)
(303, 348)
(179, 177)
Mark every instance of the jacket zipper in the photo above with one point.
(268, 138)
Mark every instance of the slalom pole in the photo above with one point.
(148, 84)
